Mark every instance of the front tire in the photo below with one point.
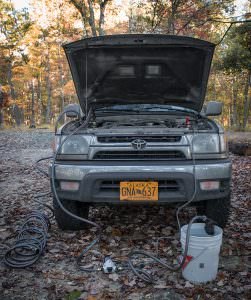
(216, 209)
(66, 222)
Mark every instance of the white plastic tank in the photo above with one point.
(203, 253)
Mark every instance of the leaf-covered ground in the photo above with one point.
(56, 276)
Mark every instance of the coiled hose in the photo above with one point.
(33, 234)
(30, 243)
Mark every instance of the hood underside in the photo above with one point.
(140, 69)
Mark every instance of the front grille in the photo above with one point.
(148, 139)
(139, 155)
(163, 185)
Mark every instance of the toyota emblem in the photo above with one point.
(139, 144)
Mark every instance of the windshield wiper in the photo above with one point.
(144, 109)
(121, 111)
(166, 109)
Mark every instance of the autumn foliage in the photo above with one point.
(35, 74)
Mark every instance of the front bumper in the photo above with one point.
(99, 180)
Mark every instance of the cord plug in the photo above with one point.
(109, 265)
(209, 227)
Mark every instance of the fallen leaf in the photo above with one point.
(188, 285)
(114, 276)
(220, 283)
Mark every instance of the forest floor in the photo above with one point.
(55, 275)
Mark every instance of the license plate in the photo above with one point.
(139, 190)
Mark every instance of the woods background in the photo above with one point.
(35, 82)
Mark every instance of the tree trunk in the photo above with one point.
(234, 103)
(84, 19)
(81, 7)
(17, 114)
(231, 120)
(170, 24)
(247, 100)
(86, 33)
(61, 78)
(92, 18)
(130, 22)
(1, 108)
(102, 17)
(32, 123)
(1, 118)
(9, 78)
(48, 88)
(88, 15)
(3, 105)
(40, 109)
(229, 116)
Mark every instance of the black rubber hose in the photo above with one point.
(53, 167)
(145, 276)
(51, 210)
(39, 168)
(30, 243)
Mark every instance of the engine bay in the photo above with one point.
(151, 122)
(144, 122)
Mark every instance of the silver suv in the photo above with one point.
(141, 134)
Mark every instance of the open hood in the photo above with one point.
(141, 68)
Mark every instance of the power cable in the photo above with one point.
(30, 242)
(39, 168)
(53, 171)
(33, 234)
(31, 239)
(147, 277)
(140, 273)
(144, 275)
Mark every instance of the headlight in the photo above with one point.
(75, 144)
(206, 143)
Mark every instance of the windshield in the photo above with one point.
(145, 108)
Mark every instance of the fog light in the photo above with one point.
(69, 185)
(209, 185)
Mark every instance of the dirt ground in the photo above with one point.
(56, 276)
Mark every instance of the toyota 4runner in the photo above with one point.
(147, 138)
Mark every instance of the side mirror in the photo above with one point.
(72, 110)
(213, 108)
